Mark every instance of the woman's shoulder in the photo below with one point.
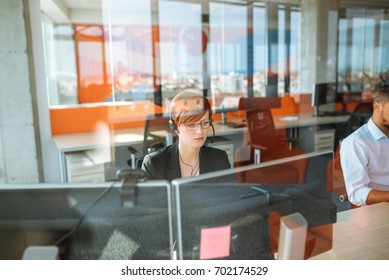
(160, 154)
(216, 157)
(214, 152)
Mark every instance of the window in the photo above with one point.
(144, 50)
(361, 35)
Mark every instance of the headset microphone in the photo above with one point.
(213, 133)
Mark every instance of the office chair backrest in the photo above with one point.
(156, 129)
(259, 103)
(359, 117)
(261, 128)
(259, 119)
(264, 136)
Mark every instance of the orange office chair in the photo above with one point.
(266, 144)
(263, 138)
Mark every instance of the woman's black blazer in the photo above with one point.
(164, 164)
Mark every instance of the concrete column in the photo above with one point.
(18, 145)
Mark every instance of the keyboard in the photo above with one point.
(236, 125)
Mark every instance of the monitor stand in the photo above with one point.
(41, 253)
(224, 120)
(316, 112)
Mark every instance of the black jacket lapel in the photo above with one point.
(173, 169)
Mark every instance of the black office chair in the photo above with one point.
(359, 117)
(154, 138)
(156, 129)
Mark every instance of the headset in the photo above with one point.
(173, 125)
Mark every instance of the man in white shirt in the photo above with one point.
(364, 155)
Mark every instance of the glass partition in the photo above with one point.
(236, 214)
(87, 221)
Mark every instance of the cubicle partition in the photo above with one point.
(235, 214)
(87, 221)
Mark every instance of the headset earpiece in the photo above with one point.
(172, 125)
(213, 135)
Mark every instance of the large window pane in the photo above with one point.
(260, 50)
(227, 52)
(130, 51)
(361, 47)
(181, 46)
(60, 62)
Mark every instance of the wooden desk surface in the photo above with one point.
(360, 234)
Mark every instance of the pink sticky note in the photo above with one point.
(215, 242)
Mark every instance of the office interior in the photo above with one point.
(82, 82)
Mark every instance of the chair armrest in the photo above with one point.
(260, 147)
(257, 152)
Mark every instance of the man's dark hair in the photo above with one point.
(381, 91)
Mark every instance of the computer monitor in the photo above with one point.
(348, 97)
(123, 222)
(219, 216)
(323, 93)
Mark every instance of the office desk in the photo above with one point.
(77, 142)
(360, 234)
(132, 136)
(105, 141)
(305, 119)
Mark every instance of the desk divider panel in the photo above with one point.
(235, 214)
(120, 223)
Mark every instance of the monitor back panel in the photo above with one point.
(113, 226)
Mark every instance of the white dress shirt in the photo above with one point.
(364, 157)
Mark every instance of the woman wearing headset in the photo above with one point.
(190, 119)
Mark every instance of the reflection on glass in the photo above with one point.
(129, 50)
(94, 84)
(182, 43)
(360, 31)
(227, 55)
(150, 50)
(61, 62)
(260, 50)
